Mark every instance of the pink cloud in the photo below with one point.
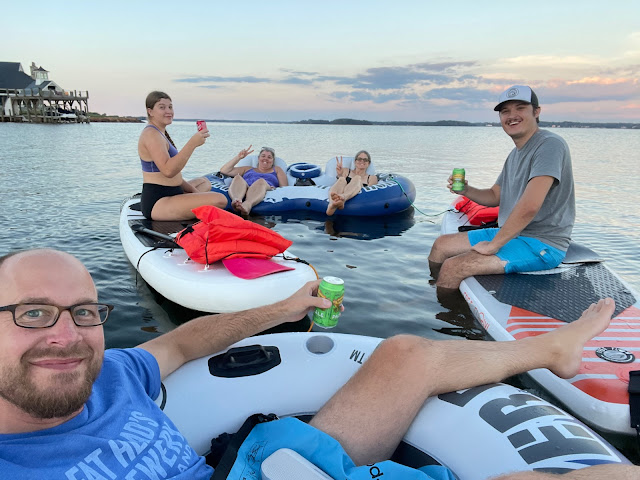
(600, 81)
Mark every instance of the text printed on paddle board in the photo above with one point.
(357, 356)
(479, 314)
(542, 434)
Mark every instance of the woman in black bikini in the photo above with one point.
(165, 194)
(349, 182)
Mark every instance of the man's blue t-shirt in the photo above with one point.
(120, 434)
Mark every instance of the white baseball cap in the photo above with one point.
(518, 92)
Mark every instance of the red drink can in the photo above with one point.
(202, 125)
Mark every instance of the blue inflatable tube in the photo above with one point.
(392, 194)
(304, 170)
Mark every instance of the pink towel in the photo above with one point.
(249, 268)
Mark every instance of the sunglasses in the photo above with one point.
(268, 149)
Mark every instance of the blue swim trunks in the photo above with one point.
(522, 254)
(320, 449)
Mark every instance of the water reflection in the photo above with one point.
(346, 226)
(173, 315)
(459, 315)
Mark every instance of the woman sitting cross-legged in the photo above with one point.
(250, 184)
(349, 182)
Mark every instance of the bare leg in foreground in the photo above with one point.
(371, 413)
(597, 472)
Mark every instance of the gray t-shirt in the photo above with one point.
(545, 154)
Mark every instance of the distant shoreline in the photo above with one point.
(439, 123)
(94, 117)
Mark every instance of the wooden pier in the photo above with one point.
(43, 106)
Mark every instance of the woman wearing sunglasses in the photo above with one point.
(165, 194)
(250, 184)
(349, 182)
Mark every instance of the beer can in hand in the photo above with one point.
(458, 180)
(331, 288)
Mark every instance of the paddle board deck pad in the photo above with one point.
(167, 269)
(478, 433)
(523, 305)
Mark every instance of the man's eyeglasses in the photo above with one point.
(36, 315)
(268, 149)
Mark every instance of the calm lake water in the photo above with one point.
(62, 187)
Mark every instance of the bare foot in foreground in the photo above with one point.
(567, 343)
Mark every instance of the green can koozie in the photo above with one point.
(331, 288)
(458, 180)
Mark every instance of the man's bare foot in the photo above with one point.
(565, 345)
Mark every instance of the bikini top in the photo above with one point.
(348, 178)
(150, 166)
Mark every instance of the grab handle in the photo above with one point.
(244, 361)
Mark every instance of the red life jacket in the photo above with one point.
(478, 214)
(221, 234)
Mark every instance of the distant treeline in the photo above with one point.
(101, 117)
(350, 121)
(439, 123)
(457, 123)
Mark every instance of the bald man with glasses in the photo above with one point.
(69, 409)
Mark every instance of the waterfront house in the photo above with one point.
(36, 98)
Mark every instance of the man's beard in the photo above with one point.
(66, 393)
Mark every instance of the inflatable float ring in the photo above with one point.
(305, 170)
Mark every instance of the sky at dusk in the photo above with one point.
(373, 60)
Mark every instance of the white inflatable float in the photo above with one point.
(477, 433)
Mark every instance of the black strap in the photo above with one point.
(466, 228)
(223, 462)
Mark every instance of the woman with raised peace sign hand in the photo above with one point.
(349, 182)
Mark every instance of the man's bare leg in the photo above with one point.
(444, 247)
(456, 269)
(371, 413)
(597, 472)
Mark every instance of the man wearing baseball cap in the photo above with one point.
(536, 196)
